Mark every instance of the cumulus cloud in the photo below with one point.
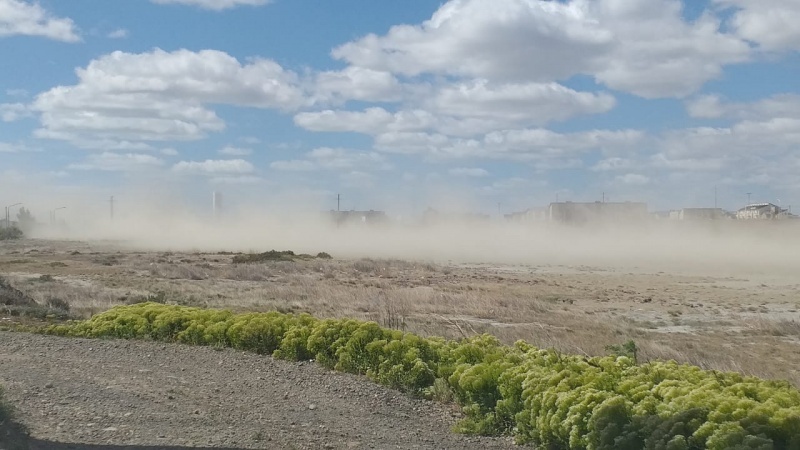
(214, 5)
(714, 106)
(160, 96)
(117, 162)
(119, 33)
(18, 17)
(357, 83)
(230, 150)
(772, 24)
(10, 112)
(645, 47)
(466, 109)
(214, 167)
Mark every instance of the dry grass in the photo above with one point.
(712, 323)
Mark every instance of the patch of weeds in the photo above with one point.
(274, 255)
(158, 297)
(324, 255)
(57, 303)
(43, 279)
(628, 349)
(57, 264)
(440, 391)
(18, 261)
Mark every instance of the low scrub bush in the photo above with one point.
(274, 255)
(552, 400)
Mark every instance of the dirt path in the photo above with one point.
(75, 393)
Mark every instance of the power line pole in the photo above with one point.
(338, 201)
(715, 197)
(111, 202)
(748, 197)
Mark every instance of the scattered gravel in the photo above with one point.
(138, 394)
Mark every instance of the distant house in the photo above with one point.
(698, 214)
(581, 213)
(370, 217)
(761, 211)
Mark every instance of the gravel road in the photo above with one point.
(108, 394)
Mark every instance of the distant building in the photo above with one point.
(597, 212)
(698, 214)
(355, 217)
(761, 211)
(529, 215)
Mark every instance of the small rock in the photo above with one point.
(312, 406)
(48, 386)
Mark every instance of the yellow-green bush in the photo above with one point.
(540, 396)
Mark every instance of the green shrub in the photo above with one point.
(543, 397)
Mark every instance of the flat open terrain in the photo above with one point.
(746, 321)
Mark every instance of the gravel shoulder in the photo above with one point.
(104, 394)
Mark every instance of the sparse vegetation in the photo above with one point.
(541, 396)
(13, 233)
(274, 255)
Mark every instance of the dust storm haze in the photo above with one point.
(643, 244)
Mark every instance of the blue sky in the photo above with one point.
(461, 105)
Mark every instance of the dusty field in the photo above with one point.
(741, 321)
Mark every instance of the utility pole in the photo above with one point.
(604, 197)
(748, 197)
(338, 201)
(715, 197)
(111, 202)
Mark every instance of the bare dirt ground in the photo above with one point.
(75, 393)
(739, 320)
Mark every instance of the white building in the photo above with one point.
(760, 211)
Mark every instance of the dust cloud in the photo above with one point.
(712, 247)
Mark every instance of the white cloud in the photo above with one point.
(772, 24)
(235, 151)
(633, 179)
(215, 167)
(242, 179)
(169, 151)
(22, 18)
(16, 92)
(118, 162)
(119, 33)
(357, 83)
(160, 96)
(214, 5)
(613, 164)
(468, 172)
(7, 147)
(335, 159)
(714, 106)
(542, 149)
(10, 112)
(644, 47)
(467, 109)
